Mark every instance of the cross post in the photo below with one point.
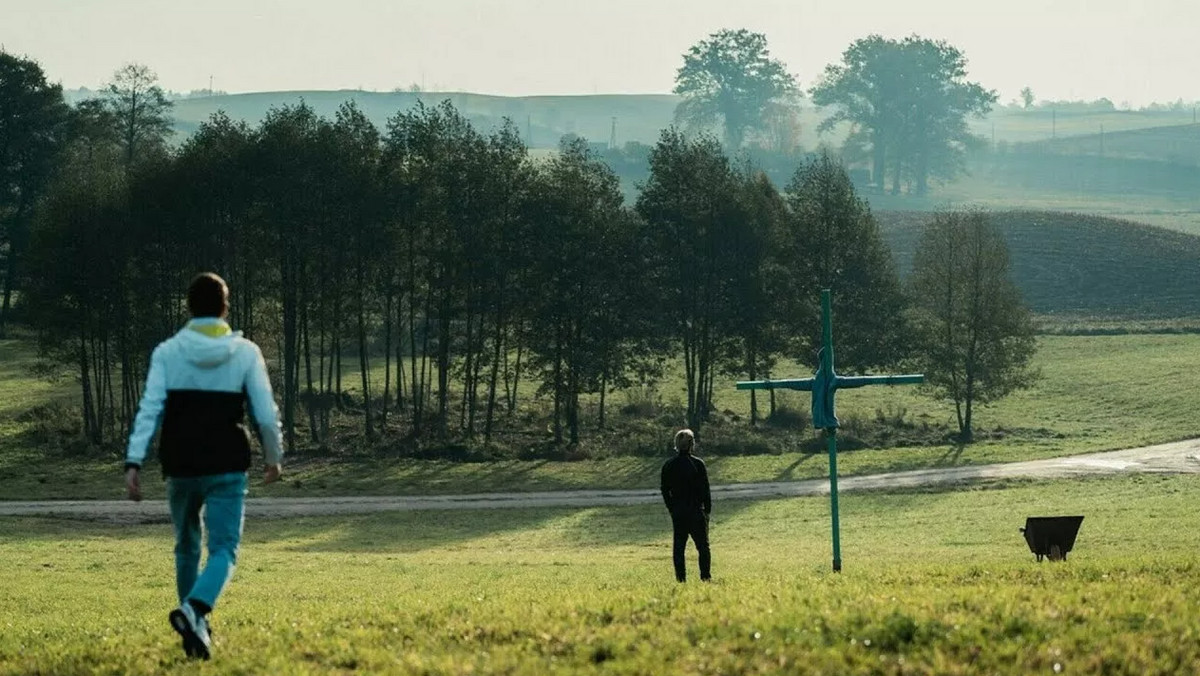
(823, 385)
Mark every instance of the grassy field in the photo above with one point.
(933, 583)
(1095, 393)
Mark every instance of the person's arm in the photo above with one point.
(662, 485)
(265, 414)
(149, 415)
(704, 484)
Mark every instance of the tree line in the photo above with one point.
(445, 262)
(906, 102)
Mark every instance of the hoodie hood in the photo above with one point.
(208, 343)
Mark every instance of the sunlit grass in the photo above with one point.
(937, 582)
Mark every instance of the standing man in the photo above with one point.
(685, 490)
(198, 386)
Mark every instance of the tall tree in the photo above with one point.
(1027, 97)
(585, 317)
(833, 242)
(975, 334)
(910, 100)
(690, 204)
(356, 153)
(289, 209)
(760, 273)
(142, 110)
(33, 126)
(79, 254)
(730, 79)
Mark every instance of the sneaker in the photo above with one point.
(212, 637)
(194, 630)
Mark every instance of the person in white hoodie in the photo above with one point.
(197, 389)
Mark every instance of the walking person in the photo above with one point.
(198, 386)
(685, 490)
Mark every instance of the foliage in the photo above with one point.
(975, 336)
(908, 100)
(834, 241)
(1027, 97)
(730, 79)
(691, 203)
(142, 112)
(33, 122)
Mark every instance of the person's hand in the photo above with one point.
(133, 484)
(271, 473)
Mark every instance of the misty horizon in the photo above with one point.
(1131, 55)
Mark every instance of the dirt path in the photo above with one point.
(1178, 457)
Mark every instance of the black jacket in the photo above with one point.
(685, 484)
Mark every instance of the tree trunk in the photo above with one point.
(311, 404)
(363, 359)
(603, 392)
(752, 371)
(10, 281)
(85, 382)
(879, 164)
(443, 366)
(512, 408)
(289, 352)
(558, 384)
(497, 347)
(387, 358)
(468, 366)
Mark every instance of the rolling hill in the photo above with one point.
(541, 119)
(1081, 265)
(640, 117)
(1177, 144)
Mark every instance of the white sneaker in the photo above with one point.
(194, 630)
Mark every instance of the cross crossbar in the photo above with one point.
(823, 386)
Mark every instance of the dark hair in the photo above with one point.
(208, 296)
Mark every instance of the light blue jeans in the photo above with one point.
(223, 497)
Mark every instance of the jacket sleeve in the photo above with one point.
(150, 411)
(263, 409)
(707, 494)
(662, 485)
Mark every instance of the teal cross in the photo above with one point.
(825, 383)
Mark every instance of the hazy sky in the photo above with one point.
(1127, 50)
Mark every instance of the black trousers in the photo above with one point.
(691, 523)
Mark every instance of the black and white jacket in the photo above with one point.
(199, 383)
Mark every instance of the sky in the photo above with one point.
(1133, 51)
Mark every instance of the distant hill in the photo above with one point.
(640, 117)
(1176, 144)
(1018, 125)
(543, 120)
(1075, 264)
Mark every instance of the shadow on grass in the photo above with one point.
(951, 457)
(399, 532)
(430, 477)
(789, 473)
(504, 529)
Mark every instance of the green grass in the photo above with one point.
(1096, 393)
(937, 582)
